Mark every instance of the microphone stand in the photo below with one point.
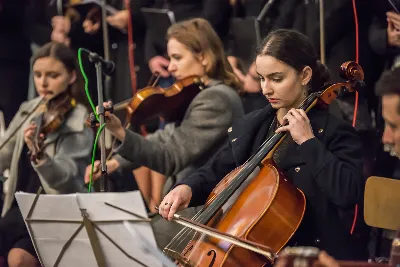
(322, 31)
(261, 17)
(101, 113)
(106, 46)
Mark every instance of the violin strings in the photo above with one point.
(179, 238)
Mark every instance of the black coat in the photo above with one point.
(328, 169)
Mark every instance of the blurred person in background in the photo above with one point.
(60, 164)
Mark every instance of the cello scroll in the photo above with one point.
(354, 76)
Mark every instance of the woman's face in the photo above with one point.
(183, 62)
(51, 76)
(283, 86)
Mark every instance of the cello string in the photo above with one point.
(180, 237)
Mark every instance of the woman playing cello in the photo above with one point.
(63, 159)
(321, 156)
(194, 49)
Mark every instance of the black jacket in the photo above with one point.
(328, 169)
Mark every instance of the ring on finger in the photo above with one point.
(166, 203)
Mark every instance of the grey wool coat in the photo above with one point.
(179, 149)
(68, 150)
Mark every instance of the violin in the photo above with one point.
(49, 119)
(154, 101)
(269, 222)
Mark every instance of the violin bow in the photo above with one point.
(131, 49)
(42, 100)
(240, 242)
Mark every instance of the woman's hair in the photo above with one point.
(294, 49)
(65, 55)
(200, 38)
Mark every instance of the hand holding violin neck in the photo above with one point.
(113, 123)
(107, 107)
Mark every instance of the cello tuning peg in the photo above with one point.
(359, 85)
(342, 91)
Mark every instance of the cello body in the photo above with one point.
(268, 211)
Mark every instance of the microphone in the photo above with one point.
(382, 203)
(108, 65)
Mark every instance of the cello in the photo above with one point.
(265, 208)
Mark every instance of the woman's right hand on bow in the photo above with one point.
(176, 200)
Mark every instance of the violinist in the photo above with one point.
(321, 154)
(65, 151)
(194, 49)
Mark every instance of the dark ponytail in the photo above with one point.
(320, 76)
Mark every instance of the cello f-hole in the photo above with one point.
(214, 256)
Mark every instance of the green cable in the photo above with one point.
(86, 83)
(93, 155)
(94, 112)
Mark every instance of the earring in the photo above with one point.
(305, 90)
